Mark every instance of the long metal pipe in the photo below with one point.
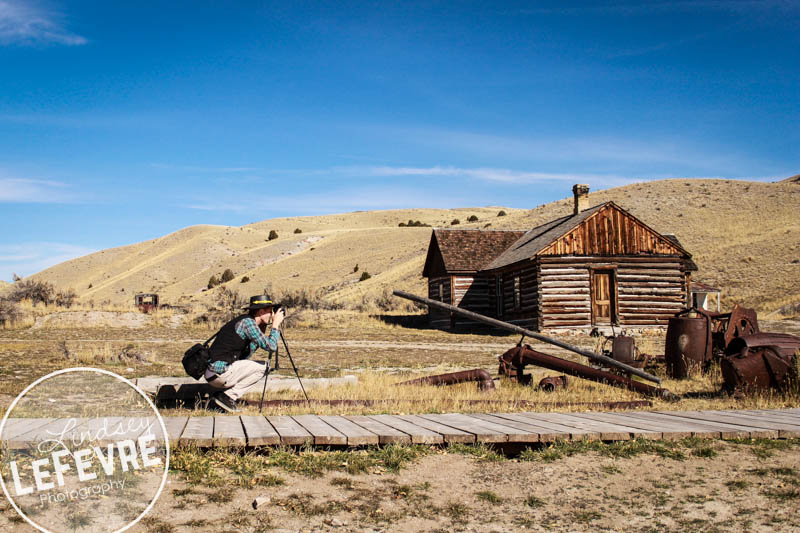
(522, 355)
(528, 333)
(480, 375)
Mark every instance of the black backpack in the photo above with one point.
(196, 359)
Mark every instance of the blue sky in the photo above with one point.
(124, 122)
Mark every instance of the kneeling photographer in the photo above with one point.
(230, 368)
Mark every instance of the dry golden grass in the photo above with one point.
(745, 236)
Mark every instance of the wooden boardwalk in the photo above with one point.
(519, 428)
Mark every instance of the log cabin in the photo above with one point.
(599, 266)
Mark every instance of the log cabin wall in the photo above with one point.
(440, 289)
(471, 292)
(647, 290)
(519, 295)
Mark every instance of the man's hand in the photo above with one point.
(278, 317)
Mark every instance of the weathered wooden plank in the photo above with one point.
(512, 432)
(418, 434)
(291, 432)
(462, 423)
(448, 433)
(550, 422)
(386, 434)
(639, 428)
(29, 432)
(228, 431)
(324, 434)
(784, 415)
(785, 430)
(546, 434)
(175, 425)
(710, 416)
(607, 430)
(698, 428)
(259, 431)
(355, 434)
(199, 431)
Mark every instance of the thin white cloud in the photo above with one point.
(501, 175)
(190, 168)
(25, 23)
(16, 190)
(29, 258)
(218, 206)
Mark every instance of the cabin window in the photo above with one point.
(441, 292)
(517, 293)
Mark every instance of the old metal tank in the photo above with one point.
(688, 345)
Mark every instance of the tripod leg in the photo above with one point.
(289, 355)
(264, 392)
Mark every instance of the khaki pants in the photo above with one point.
(239, 378)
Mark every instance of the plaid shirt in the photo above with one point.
(247, 328)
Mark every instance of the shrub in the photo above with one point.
(35, 291)
(226, 276)
(229, 304)
(401, 225)
(9, 312)
(501, 213)
(455, 222)
(298, 230)
(245, 279)
(355, 268)
(273, 235)
(213, 281)
(66, 298)
(472, 218)
(364, 275)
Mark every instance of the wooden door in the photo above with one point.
(603, 293)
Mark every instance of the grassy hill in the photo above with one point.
(745, 237)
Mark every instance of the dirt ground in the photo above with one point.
(715, 486)
(711, 486)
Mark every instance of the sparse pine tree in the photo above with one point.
(364, 276)
(298, 230)
(501, 213)
(355, 268)
(213, 281)
(227, 276)
(273, 234)
(455, 222)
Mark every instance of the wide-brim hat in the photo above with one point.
(260, 302)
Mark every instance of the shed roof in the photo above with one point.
(468, 250)
(699, 286)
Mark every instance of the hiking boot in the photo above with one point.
(225, 402)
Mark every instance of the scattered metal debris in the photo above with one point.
(146, 302)
(480, 375)
(552, 383)
(598, 358)
(518, 357)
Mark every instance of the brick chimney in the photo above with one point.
(581, 193)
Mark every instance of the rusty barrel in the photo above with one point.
(688, 345)
(758, 368)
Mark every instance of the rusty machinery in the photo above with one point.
(485, 382)
(513, 362)
(146, 302)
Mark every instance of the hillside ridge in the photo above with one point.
(745, 237)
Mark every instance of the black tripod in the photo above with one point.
(266, 374)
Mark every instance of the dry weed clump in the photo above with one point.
(105, 353)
